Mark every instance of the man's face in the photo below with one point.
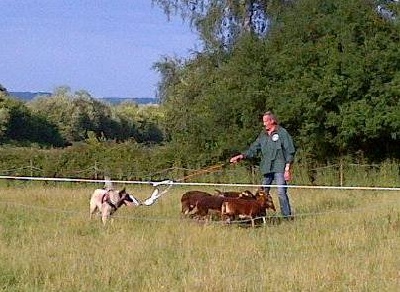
(268, 122)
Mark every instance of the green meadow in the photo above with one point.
(340, 240)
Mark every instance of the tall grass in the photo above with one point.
(339, 241)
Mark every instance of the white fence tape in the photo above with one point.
(169, 182)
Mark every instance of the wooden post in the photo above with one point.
(341, 172)
(95, 169)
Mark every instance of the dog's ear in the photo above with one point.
(122, 192)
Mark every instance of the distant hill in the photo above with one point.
(26, 96)
(138, 100)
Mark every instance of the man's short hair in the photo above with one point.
(272, 117)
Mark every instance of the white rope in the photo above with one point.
(170, 183)
(156, 193)
(296, 186)
(61, 179)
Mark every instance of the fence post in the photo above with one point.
(95, 169)
(341, 172)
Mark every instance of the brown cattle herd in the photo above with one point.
(227, 206)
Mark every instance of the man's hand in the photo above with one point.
(236, 158)
(287, 175)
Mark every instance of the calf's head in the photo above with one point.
(266, 200)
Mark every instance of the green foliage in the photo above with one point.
(75, 115)
(145, 123)
(18, 124)
(328, 69)
(4, 116)
(78, 114)
(3, 90)
(220, 24)
(338, 78)
(94, 159)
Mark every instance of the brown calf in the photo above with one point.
(189, 200)
(209, 203)
(214, 203)
(268, 200)
(250, 209)
(249, 195)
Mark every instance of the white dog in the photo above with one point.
(108, 201)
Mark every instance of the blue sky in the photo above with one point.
(105, 47)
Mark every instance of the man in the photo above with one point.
(277, 155)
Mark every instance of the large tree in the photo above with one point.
(19, 125)
(221, 23)
(79, 116)
(76, 114)
(336, 77)
(329, 69)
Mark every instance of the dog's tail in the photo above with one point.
(108, 185)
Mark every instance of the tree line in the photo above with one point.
(65, 118)
(330, 70)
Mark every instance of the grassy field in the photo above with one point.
(340, 240)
